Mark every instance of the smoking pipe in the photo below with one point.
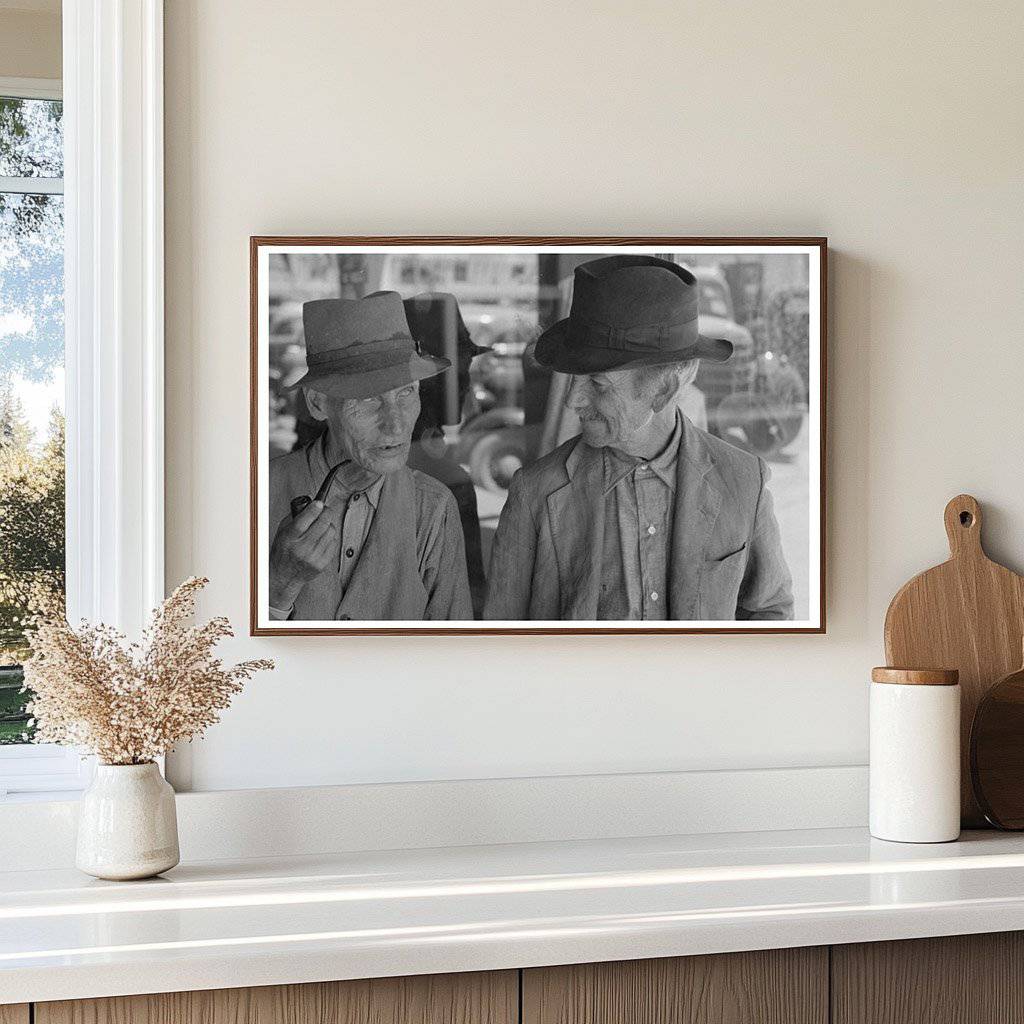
(301, 503)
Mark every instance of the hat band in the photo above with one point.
(648, 338)
(367, 355)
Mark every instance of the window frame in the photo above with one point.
(37, 767)
(112, 91)
(31, 89)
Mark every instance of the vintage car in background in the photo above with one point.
(719, 381)
(758, 398)
(493, 440)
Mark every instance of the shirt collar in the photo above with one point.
(373, 492)
(618, 465)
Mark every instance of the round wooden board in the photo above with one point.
(997, 753)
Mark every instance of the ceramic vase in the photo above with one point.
(127, 826)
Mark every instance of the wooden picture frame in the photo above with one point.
(554, 255)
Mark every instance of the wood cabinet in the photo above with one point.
(970, 979)
(963, 979)
(777, 986)
(477, 998)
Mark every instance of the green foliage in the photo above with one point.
(31, 345)
(31, 541)
(14, 720)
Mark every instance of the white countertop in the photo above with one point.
(272, 921)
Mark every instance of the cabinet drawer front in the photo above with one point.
(476, 998)
(778, 986)
(961, 979)
(14, 1013)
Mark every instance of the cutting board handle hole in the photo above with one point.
(962, 517)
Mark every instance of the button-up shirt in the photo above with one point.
(639, 502)
(356, 514)
(357, 518)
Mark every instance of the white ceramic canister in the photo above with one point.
(127, 824)
(915, 755)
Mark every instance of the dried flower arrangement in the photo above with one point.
(130, 703)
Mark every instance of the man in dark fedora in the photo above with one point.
(385, 542)
(437, 325)
(642, 515)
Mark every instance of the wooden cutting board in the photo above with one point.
(967, 614)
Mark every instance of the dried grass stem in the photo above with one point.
(129, 703)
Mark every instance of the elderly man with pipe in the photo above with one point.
(356, 533)
(642, 515)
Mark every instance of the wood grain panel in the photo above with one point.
(962, 979)
(779, 986)
(965, 614)
(477, 998)
(14, 1013)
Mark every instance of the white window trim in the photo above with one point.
(114, 325)
(32, 186)
(42, 769)
(31, 88)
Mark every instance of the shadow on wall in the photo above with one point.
(853, 287)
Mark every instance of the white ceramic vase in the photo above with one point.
(127, 825)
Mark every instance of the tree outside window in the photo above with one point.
(31, 385)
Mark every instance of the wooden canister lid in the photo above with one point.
(916, 676)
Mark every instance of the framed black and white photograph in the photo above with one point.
(537, 435)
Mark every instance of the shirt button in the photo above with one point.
(643, 465)
(652, 530)
(356, 497)
(654, 595)
(349, 552)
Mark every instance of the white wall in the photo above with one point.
(895, 129)
(30, 39)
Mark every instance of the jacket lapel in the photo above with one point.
(576, 524)
(698, 502)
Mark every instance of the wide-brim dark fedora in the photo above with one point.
(435, 322)
(628, 310)
(358, 348)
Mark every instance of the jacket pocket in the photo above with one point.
(731, 554)
(720, 582)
